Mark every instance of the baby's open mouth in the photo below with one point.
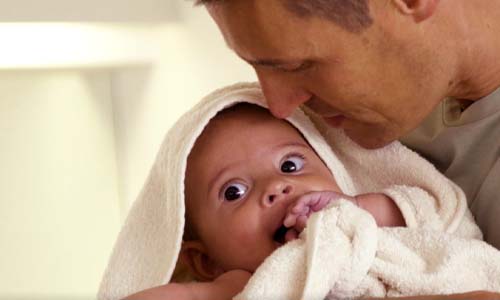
(279, 235)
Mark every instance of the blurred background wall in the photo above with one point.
(87, 92)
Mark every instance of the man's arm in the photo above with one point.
(477, 295)
(224, 287)
(168, 291)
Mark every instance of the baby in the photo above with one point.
(251, 184)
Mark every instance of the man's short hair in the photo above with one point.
(352, 15)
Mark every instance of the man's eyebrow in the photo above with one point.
(268, 62)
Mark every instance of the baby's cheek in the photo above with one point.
(243, 235)
(245, 254)
(326, 183)
(334, 187)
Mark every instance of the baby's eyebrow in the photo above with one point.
(216, 177)
(292, 144)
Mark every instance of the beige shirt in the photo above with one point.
(465, 146)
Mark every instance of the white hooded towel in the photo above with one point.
(148, 246)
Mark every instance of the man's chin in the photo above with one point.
(370, 139)
(335, 121)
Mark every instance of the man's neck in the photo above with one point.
(479, 70)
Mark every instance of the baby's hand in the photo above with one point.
(230, 283)
(234, 278)
(299, 212)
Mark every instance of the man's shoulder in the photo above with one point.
(465, 146)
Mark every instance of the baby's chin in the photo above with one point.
(255, 265)
(276, 246)
(252, 266)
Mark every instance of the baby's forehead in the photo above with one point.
(223, 132)
(241, 128)
(242, 112)
(244, 117)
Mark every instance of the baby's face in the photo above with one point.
(244, 171)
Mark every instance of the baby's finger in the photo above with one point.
(301, 207)
(323, 201)
(312, 202)
(300, 224)
(290, 220)
(291, 235)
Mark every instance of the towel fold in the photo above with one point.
(147, 248)
(148, 245)
(343, 255)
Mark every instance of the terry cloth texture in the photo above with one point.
(148, 245)
(342, 254)
(465, 146)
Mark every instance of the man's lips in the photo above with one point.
(335, 121)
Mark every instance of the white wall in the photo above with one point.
(76, 144)
(59, 206)
(193, 62)
(87, 11)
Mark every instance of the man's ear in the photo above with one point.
(420, 10)
(195, 256)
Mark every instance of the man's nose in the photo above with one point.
(283, 96)
(277, 191)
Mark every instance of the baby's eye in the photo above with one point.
(234, 191)
(292, 164)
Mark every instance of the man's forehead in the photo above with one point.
(206, 2)
(266, 34)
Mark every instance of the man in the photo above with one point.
(424, 71)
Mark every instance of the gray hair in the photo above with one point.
(352, 15)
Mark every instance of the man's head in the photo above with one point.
(351, 15)
(244, 171)
(375, 68)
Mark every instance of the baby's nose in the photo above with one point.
(277, 192)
